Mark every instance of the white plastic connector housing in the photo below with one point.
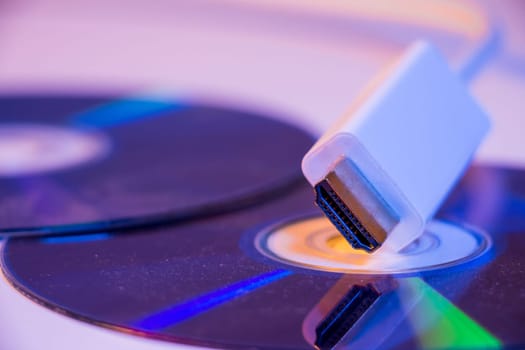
(411, 134)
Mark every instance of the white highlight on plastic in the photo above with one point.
(314, 243)
(28, 149)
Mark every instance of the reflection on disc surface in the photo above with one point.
(205, 283)
(88, 163)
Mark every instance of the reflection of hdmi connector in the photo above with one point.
(344, 315)
(383, 170)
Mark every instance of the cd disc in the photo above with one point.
(207, 283)
(98, 163)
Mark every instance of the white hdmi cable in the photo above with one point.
(381, 172)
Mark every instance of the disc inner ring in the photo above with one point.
(28, 148)
(313, 243)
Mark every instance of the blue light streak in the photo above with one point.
(193, 307)
(75, 238)
(124, 111)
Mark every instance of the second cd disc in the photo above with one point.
(81, 164)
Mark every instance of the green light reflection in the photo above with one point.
(439, 324)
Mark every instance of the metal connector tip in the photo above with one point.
(354, 207)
